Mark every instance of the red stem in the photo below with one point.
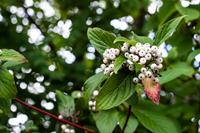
(53, 116)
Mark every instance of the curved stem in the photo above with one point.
(127, 118)
(53, 116)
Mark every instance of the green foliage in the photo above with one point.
(190, 14)
(7, 84)
(66, 104)
(117, 89)
(131, 125)
(11, 57)
(176, 70)
(167, 30)
(101, 39)
(106, 120)
(180, 95)
(123, 39)
(118, 63)
(93, 83)
(155, 122)
(142, 39)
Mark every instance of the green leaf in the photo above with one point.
(106, 121)
(192, 55)
(155, 122)
(117, 89)
(5, 105)
(166, 30)
(142, 39)
(131, 125)
(190, 13)
(101, 39)
(176, 70)
(93, 83)
(123, 39)
(66, 104)
(7, 85)
(118, 63)
(11, 57)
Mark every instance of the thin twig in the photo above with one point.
(53, 116)
(127, 118)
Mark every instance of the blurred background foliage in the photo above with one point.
(52, 35)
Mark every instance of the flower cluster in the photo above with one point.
(109, 58)
(143, 60)
(92, 102)
(149, 57)
(67, 129)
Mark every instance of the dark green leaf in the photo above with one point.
(131, 125)
(106, 120)
(66, 105)
(190, 13)
(5, 105)
(117, 89)
(7, 85)
(101, 39)
(11, 57)
(166, 30)
(118, 63)
(176, 70)
(155, 122)
(123, 39)
(93, 83)
(142, 39)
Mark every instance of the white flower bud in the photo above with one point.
(63, 127)
(90, 103)
(135, 80)
(153, 66)
(148, 74)
(148, 50)
(131, 67)
(126, 54)
(60, 117)
(125, 44)
(154, 48)
(148, 56)
(112, 56)
(138, 45)
(143, 70)
(112, 51)
(111, 66)
(142, 61)
(147, 45)
(95, 93)
(132, 49)
(107, 71)
(135, 58)
(141, 76)
(105, 60)
(67, 130)
(72, 131)
(117, 51)
(159, 60)
(142, 53)
(124, 48)
(93, 108)
(159, 66)
(131, 56)
(137, 50)
(103, 66)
